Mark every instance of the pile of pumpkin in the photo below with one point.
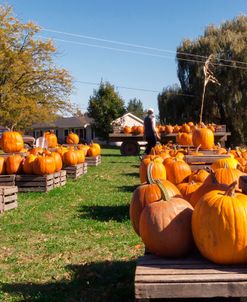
(174, 208)
(38, 160)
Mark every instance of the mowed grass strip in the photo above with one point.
(74, 243)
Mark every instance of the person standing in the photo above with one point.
(150, 133)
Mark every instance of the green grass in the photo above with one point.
(74, 243)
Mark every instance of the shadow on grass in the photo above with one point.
(105, 213)
(135, 174)
(92, 282)
(130, 189)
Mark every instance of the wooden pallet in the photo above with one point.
(8, 198)
(76, 171)
(7, 180)
(194, 277)
(203, 161)
(93, 161)
(40, 183)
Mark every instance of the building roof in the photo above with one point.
(66, 122)
(121, 118)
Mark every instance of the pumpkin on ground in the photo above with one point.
(12, 141)
(165, 226)
(219, 226)
(72, 138)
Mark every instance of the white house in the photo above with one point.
(128, 119)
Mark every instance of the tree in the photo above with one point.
(227, 103)
(31, 87)
(135, 107)
(104, 106)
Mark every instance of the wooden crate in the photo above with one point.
(40, 183)
(203, 161)
(194, 277)
(93, 161)
(76, 171)
(8, 198)
(7, 180)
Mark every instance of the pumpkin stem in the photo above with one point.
(11, 129)
(197, 149)
(150, 179)
(231, 189)
(164, 193)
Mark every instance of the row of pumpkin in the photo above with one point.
(167, 129)
(175, 207)
(12, 141)
(40, 161)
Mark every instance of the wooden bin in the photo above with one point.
(189, 277)
(93, 161)
(7, 180)
(203, 161)
(8, 198)
(40, 183)
(76, 171)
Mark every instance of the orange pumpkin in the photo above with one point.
(2, 165)
(44, 164)
(80, 156)
(13, 164)
(72, 138)
(70, 158)
(158, 169)
(177, 170)
(12, 141)
(219, 226)
(187, 189)
(36, 151)
(58, 161)
(165, 226)
(204, 137)
(198, 175)
(51, 139)
(227, 162)
(28, 164)
(127, 130)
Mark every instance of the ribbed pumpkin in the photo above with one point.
(72, 138)
(127, 130)
(169, 129)
(198, 175)
(204, 137)
(44, 164)
(58, 161)
(12, 141)
(70, 158)
(80, 156)
(93, 151)
(2, 165)
(36, 151)
(219, 226)
(146, 194)
(183, 138)
(28, 164)
(225, 176)
(158, 169)
(51, 139)
(177, 170)
(13, 164)
(165, 226)
(188, 188)
(225, 162)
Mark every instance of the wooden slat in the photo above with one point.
(10, 198)
(208, 159)
(34, 183)
(186, 290)
(8, 190)
(10, 206)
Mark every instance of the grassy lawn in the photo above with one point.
(74, 243)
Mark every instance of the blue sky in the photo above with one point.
(159, 24)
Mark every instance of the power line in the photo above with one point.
(131, 88)
(134, 45)
(140, 53)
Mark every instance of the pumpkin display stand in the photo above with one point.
(93, 160)
(7, 180)
(191, 277)
(8, 198)
(76, 170)
(40, 183)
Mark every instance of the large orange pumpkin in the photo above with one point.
(80, 156)
(188, 188)
(225, 176)
(227, 162)
(72, 138)
(204, 137)
(165, 226)
(127, 130)
(146, 194)
(219, 226)
(13, 164)
(28, 164)
(12, 141)
(44, 164)
(198, 175)
(177, 170)
(51, 139)
(70, 158)
(58, 161)
(158, 169)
